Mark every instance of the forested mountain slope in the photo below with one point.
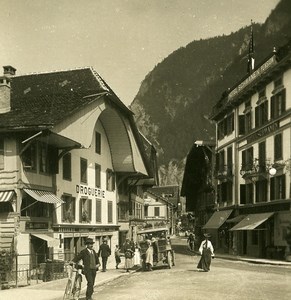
(175, 99)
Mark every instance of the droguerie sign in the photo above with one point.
(89, 191)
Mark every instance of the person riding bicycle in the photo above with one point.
(91, 265)
(191, 241)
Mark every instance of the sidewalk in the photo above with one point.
(54, 290)
(254, 260)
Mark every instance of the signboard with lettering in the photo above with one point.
(263, 132)
(85, 190)
(261, 70)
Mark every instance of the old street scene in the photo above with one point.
(145, 149)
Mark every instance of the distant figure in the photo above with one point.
(104, 252)
(191, 241)
(136, 259)
(128, 254)
(117, 256)
(207, 252)
(149, 256)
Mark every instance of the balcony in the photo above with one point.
(224, 173)
(9, 178)
(254, 171)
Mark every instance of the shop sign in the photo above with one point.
(261, 70)
(263, 132)
(85, 190)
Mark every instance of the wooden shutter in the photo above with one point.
(241, 124)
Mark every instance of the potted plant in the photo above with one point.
(288, 241)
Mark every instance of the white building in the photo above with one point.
(67, 143)
(254, 160)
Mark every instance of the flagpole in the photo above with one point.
(251, 59)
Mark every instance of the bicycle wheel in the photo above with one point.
(77, 287)
(68, 290)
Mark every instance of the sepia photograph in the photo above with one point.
(145, 149)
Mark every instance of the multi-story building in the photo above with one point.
(253, 161)
(67, 147)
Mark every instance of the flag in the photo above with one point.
(251, 59)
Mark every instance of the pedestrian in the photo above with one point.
(117, 256)
(128, 254)
(207, 252)
(91, 264)
(136, 259)
(149, 260)
(104, 252)
(191, 241)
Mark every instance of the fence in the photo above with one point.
(23, 270)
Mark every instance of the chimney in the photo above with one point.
(5, 89)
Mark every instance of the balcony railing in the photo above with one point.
(224, 173)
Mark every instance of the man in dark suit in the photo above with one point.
(104, 252)
(91, 265)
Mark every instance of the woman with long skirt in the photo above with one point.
(207, 253)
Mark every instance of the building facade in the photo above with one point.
(68, 147)
(253, 121)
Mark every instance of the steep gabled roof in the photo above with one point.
(44, 99)
(168, 193)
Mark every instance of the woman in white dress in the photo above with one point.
(136, 260)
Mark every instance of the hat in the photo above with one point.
(207, 235)
(89, 241)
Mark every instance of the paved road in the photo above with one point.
(226, 280)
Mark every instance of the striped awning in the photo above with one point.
(6, 196)
(44, 196)
(51, 242)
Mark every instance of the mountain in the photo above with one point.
(175, 99)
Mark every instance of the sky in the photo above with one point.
(123, 40)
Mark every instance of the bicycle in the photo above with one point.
(73, 287)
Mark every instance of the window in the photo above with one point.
(230, 123)
(85, 210)
(29, 158)
(1, 154)
(278, 147)
(261, 114)
(278, 104)
(97, 142)
(146, 210)
(247, 159)
(110, 212)
(83, 170)
(98, 211)
(261, 191)
(262, 157)
(225, 192)
(157, 211)
(278, 187)
(97, 175)
(246, 193)
(221, 161)
(248, 122)
(229, 161)
(43, 158)
(225, 126)
(68, 209)
(67, 166)
(110, 180)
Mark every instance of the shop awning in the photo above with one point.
(51, 242)
(44, 196)
(252, 221)
(235, 219)
(6, 196)
(217, 219)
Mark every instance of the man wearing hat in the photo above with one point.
(91, 264)
(104, 252)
